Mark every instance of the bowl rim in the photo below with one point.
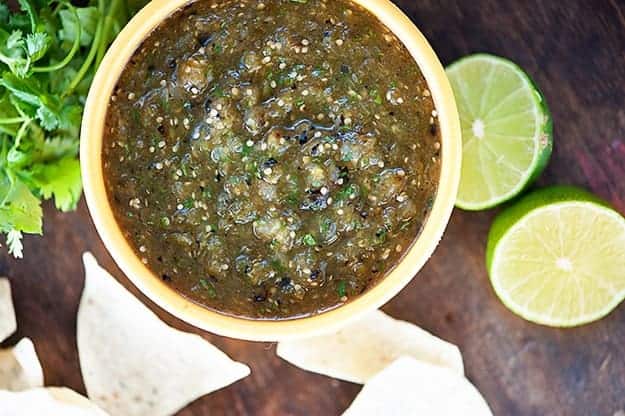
(167, 298)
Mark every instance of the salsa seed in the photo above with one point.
(135, 203)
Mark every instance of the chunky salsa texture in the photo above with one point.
(271, 159)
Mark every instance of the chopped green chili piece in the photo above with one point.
(209, 287)
(341, 288)
(309, 240)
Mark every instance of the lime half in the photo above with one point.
(506, 130)
(558, 257)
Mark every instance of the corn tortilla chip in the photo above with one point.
(19, 367)
(50, 401)
(7, 314)
(360, 350)
(410, 387)
(132, 363)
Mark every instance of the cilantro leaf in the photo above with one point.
(14, 242)
(59, 147)
(29, 92)
(37, 45)
(88, 17)
(61, 180)
(20, 209)
(47, 118)
(15, 40)
(19, 21)
(4, 14)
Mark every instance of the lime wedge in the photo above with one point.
(557, 257)
(506, 130)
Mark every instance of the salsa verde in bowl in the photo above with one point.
(267, 165)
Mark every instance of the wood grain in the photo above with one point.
(575, 50)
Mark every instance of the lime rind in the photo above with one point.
(511, 222)
(519, 177)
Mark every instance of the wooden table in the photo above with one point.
(575, 50)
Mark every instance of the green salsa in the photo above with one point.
(271, 159)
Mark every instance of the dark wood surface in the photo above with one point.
(575, 50)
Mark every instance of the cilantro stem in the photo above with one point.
(90, 56)
(18, 108)
(13, 120)
(108, 23)
(20, 133)
(8, 131)
(72, 52)
(28, 8)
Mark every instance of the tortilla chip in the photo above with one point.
(52, 401)
(7, 314)
(362, 349)
(411, 387)
(134, 364)
(19, 367)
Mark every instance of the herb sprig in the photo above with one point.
(49, 51)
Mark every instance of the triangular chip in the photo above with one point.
(7, 314)
(19, 367)
(413, 388)
(50, 401)
(362, 349)
(132, 363)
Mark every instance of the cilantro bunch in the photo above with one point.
(49, 51)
